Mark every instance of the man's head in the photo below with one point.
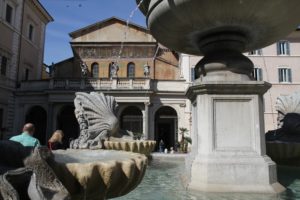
(29, 128)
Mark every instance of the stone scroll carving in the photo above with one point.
(287, 104)
(25, 173)
(96, 115)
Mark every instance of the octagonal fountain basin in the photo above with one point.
(98, 174)
(285, 153)
(137, 146)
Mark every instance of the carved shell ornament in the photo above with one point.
(96, 117)
(287, 104)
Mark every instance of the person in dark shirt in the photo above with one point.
(55, 142)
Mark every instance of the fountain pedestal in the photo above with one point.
(229, 147)
(228, 152)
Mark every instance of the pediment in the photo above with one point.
(112, 30)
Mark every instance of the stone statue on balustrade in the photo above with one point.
(146, 70)
(114, 68)
(96, 115)
(84, 69)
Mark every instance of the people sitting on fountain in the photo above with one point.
(55, 142)
(26, 137)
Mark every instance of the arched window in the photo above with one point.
(95, 70)
(131, 70)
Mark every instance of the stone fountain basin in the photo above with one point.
(98, 174)
(137, 146)
(183, 25)
(284, 152)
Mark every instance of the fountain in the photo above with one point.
(87, 170)
(283, 144)
(99, 126)
(228, 153)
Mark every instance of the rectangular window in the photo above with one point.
(192, 74)
(283, 48)
(285, 75)
(9, 13)
(30, 32)
(3, 65)
(257, 74)
(257, 52)
(26, 74)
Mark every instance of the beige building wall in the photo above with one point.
(10, 29)
(16, 52)
(33, 39)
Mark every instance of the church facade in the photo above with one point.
(118, 60)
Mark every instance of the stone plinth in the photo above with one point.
(98, 174)
(229, 153)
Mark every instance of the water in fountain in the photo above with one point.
(163, 181)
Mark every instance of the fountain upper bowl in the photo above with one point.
(196, 26)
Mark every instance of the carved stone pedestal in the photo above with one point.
(228, 153)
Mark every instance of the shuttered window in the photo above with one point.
(285, 75)
(283, 48)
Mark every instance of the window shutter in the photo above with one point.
(259, 51)
(290, 75)
(287, 48)
(278, 48)
(280, 75)
(260, 74)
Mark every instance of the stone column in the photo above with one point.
(146, 120)
(49, 121)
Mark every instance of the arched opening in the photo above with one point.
(38, 116)
(131, 70)
(95, 70)
(166, 127)
(67, 122)
(132, 119)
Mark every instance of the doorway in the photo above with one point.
(38, 117)
(166, 127)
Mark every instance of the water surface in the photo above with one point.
(162, 181)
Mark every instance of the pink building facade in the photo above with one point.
(278, 64)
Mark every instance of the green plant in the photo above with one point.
(188, 139)
(184, 140)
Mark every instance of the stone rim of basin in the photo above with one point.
(100, 179)
(137, 146)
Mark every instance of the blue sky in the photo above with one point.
(70, 15)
